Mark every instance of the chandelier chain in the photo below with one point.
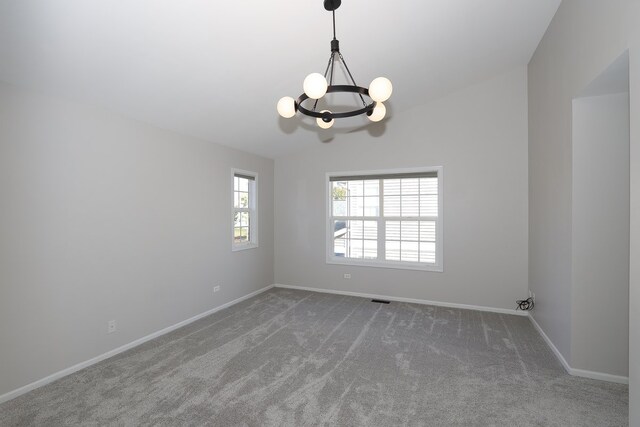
(333, 64)
(315, 104)
(351, 76)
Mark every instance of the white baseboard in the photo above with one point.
(572, 371)
(411, 300)
(599, 376)
(63, 373)
(552, 346)
(577, 372)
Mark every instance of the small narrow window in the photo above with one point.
(245, 210)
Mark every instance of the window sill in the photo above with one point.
(236, 248)
(385, 264)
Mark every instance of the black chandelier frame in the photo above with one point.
(367, 108)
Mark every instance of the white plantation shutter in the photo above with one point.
(389, 219)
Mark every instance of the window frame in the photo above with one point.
(252, 210)
(438, 266)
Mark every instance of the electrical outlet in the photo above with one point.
(111, 326)
(347, 276)
(216, 288)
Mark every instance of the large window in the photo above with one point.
(245, 211)
(386, 218)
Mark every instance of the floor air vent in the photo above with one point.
(380, 301)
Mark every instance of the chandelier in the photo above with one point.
(315, 86)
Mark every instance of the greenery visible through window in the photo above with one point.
(244, 212)
(386, 219)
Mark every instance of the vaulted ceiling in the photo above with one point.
(215, 69)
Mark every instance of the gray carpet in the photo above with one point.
(299, 358)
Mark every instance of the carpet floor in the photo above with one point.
(297, 358)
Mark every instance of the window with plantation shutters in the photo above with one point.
(386, 219)
(245, 210)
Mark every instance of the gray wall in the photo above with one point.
(600, 251)
(634, 264)
(105, 218)
(479, 136)
(582, 40)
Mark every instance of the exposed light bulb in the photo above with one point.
(380, 89)
(321, 123)
(379, 111)
(315, 85)
(287, 107)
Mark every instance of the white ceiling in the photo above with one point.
(215, 69)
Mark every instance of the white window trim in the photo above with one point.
(332, 259)
(253, 209)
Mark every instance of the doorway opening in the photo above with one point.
(600, 224)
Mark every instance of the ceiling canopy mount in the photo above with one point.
(332, 5)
